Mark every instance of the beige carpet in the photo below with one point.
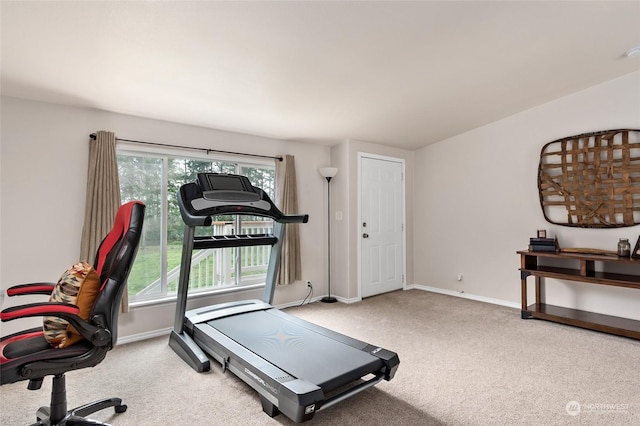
(461, 363)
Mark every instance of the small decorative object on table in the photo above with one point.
(624, 248)
(542, 233)
(543, 244)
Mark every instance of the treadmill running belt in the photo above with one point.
(301, 352)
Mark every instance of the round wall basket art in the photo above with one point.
(591, 180)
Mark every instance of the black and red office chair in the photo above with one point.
(28, 355)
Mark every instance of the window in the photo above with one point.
(155, 179)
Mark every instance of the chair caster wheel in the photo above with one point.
(120, 408)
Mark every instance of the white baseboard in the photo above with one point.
(298, 303)
(143, 336)
(349, 301)
(465, 295)
(318, 299)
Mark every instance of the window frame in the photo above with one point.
(163, 154)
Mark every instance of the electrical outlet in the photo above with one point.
(460, 276)
(309, 284)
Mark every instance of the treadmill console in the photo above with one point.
(222, 194)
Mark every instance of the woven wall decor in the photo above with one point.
(591, 180)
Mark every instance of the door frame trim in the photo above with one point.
(361, 156)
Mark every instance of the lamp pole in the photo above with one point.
(328, 173)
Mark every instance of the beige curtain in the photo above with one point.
(102, 199)
(287, 200)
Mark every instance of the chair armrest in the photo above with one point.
(61, 310)
(98, 336)
(31, 288)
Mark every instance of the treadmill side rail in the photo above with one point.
(208, 313)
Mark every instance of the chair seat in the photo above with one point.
(23, 343)
(30, 346)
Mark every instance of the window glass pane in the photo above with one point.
(262, 177)
(210, 268)
(141, 179)
(255, 259)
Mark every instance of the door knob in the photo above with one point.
(365, 235)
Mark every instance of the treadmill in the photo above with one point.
(297, 368)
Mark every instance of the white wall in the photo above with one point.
(476, 201)
(44, 149)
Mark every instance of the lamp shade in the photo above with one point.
(328, 172)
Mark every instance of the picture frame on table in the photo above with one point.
(636, 251)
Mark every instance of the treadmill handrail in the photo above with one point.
(234, 240)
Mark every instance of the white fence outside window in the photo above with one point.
(216, 268)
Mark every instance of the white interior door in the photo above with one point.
(381, 225)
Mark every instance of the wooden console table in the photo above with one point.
(581, 268)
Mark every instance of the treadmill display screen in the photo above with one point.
(227, 189)
(218, 182)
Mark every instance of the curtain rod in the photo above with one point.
(207, 150)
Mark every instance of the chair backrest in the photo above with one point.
(113, 263)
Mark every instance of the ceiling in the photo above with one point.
(403, 74)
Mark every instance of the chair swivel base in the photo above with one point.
(77, 416)
(56, 413)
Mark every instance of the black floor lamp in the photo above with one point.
(328, 173)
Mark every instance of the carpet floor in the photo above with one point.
(462, 362)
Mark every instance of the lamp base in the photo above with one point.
(328, 299)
